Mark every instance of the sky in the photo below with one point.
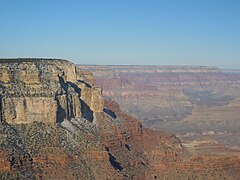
(135, 32)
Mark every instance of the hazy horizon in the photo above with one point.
(200, 33)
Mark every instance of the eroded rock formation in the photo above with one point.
(55, 125)
(46, 91)
(189, 101)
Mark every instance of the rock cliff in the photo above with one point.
(46, 91)
(55, 125)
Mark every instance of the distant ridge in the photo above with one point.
(231, 71)
(153, 68)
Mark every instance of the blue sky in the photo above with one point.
(155, 32)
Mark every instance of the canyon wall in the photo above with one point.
(187, 100)
(55, 125)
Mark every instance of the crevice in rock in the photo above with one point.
(113, 161)
(62, 83)
(75, 87)
(87, 85)
(87, 112)
(127, 147)
(110, 113)
(61, 113)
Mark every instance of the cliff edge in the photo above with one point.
(46, 91)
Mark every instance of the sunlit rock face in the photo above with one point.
(45, 91)
(26, 109)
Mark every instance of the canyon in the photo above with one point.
(194, 102)
(57, 123)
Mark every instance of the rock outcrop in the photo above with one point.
(46, 91)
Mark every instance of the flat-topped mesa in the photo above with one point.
(46, 90)
(152, 69)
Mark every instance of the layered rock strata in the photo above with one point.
(45, 91)
(56, 126)
(189, 101)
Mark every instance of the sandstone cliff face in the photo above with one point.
(17, 110)
(45, 91)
